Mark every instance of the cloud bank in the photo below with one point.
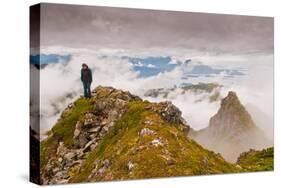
(86, 26)
(60, 83)
(137, 50)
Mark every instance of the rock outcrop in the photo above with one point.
(115, 135)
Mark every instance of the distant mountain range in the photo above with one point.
(212, 89)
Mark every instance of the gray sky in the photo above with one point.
(86, 26)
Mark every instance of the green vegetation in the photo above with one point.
(123, 145)
(124, 152)
(257, 160)
(64, 129)
(48, 149)
(131, 118)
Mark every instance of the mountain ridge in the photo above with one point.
(115, 135)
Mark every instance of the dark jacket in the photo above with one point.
(86, 75)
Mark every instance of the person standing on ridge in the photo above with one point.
(86, 78)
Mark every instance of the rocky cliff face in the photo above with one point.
(231, 130)
(116, 135)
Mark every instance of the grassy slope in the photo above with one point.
(257, 160)
(123, 144)
(63, 130)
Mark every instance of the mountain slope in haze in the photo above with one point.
(116, 136)
(231, 130)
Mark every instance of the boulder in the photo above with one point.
(88, 146)
(94, 130)
(93, 146)
(69, 156)
(61, 150)
(157, 142)
(77, 129)
(170, 112)
(99, 171)
(170, 162)
(106, 163)
(130, 166)
(146, 131)
(81, 141)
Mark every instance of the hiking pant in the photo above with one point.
(87, 89)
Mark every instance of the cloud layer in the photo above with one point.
(87, 26)
(60, 83)
(137, 50)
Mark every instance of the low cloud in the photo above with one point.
(60, 83)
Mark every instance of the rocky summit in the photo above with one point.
(231, 130)
(116, 135)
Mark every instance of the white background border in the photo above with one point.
(14, 84)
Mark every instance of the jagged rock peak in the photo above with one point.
(231, 130)
(232, 112)
(230, 100)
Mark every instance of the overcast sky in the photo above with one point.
(86, 26)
